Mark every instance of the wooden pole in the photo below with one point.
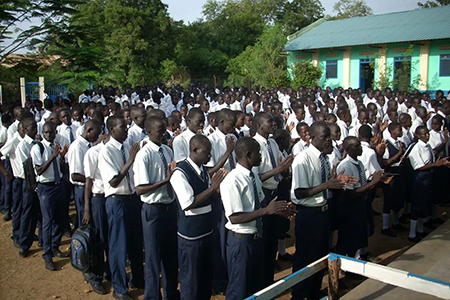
(215, 82)
(249, 83)
(41, 89)
(333, 278)
(22, 91)
(143, 81)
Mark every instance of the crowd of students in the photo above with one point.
(201, 185)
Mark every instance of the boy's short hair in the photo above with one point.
(244, 145)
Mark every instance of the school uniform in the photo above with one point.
(159, 221)
(351, 211)
(30, 203)
(75, 157)
(299, 147)
(344, 129)
(135, 134)
(440, 173)
(245, 130)
(181, 145)
(422, 194)
(99, 219)
(12, 130)
(219, 147)
(241, 192)
(49, 195)
(394, 191)
(195, 228)
(6, 185)
(336, 156)
(310, 168)
(236, 106)
(407, 137)
(416, 123)
(270, 154)
(123, 211)
(69, 132)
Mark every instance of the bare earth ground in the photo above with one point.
(27, 278)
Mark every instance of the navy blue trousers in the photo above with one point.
(28, 219)
(125, 237)
(245, 265)
(50, 202)
(100, 221)
(219, 244)
(79, 203)
(270, 239)
(312, 231)
(159, 223)
(6, 192)
(196, 267)
(17, 207)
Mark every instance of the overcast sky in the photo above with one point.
(191, 10)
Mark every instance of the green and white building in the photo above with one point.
(366, 51)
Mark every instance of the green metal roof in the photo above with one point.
(405, 26)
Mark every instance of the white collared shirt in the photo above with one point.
(336, 156)
(12, 130)
(349, 165)
(64, 130)
(386, 154)
(91, 169)
(437, 139)
(306, 174)
(344, 129)
(184, 191)
(299, 147)
(110, 162)
(3, 134)
(407, 137)
(421, 155)
(135, 135)
(9, 150)
(23, 152)
(39, 159)
(369, 160)
(237, 194)
(219, 147)
(75, 157)
(416, 123)
(148, 168)
(181, 145)
(266, 164)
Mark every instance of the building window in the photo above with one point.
(331, 71)
(444, 66)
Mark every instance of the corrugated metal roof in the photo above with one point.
(405, 26)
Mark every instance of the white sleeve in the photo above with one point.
(90, 164)
(416, 159)
(301, 172)
(141, 163)
(36, 156)
(179, 149)
(182, 188)
(74, 158)
(108, 169)
(231, 196)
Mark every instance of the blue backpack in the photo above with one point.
(84, 249)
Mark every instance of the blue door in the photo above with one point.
(366, 74)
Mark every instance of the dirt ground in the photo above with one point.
(27, 278)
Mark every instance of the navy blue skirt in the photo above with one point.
(422, 194)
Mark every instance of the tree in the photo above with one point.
(305, 74)
(435, 3)
(13, 13)
(351, 8)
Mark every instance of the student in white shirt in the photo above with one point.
(344, 118)
(303, 132)
(336, 155)
(195, 191)
(241, 193)
(153, 168)
(310, 191)
(195, 120)
(297, 117)
(405, 121)
(137, 132)
(47, 158)
(422, 118)
(269, 172)
(67, 129)
(18, 113)
(123, 208)
(422, 160)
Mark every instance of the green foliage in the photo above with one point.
(263, 62)
(172, 74)
(305, 74)
(351, 8)
(435, 3)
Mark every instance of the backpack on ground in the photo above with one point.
(84, 249)
(28, 168)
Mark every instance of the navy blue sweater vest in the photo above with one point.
(194, 226)
(392, 152)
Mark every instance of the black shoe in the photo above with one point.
(389, 232)
(277, 267)
(415, 239)
(369, 258)
(99, 289)
(137, 286)
(121, 296)
(49, 265)
(40, 244)
(287, 235)
(219, 291)
(35, 238)
(429, 224)
(433, 221)
(67, 234)
(23, 253)
(7, 216)
(399, 227)
(60, 254)
(404, 219)
(16, 243)
(285, 257)
(375, 213)
(421, 234)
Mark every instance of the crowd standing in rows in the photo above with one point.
(207, 181)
